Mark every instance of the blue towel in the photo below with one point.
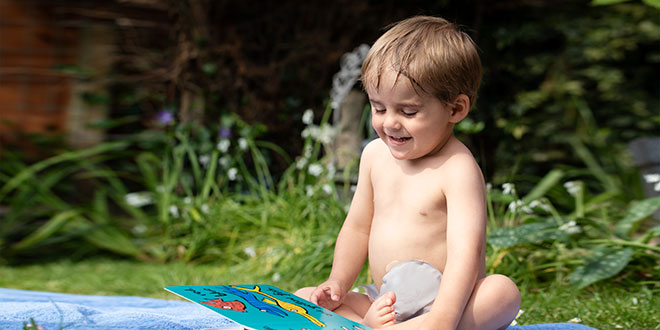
(72, 311)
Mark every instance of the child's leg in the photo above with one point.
(354, 306)
(494, 303)
(358, 307)
(381, 313)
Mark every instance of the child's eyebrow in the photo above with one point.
(410, 105)
(401, 105)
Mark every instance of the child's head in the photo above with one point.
(437, 58)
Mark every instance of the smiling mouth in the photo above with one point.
(399, 139)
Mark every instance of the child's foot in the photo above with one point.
(381, 313)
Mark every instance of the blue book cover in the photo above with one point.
(264, 307)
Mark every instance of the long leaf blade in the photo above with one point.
(606, 263)
(635, 214)
(46, 230)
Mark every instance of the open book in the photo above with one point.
(264, 307)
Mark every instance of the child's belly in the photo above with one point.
(395, 240)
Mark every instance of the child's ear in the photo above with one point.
(459, 108)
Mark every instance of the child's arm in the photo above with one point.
(464, 189)
(352, 242)
(463, 185)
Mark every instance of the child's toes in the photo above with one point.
(387, 299)
(388, 319)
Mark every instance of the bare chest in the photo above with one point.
(416, 196)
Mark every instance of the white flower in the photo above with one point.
(326, 189)
(509, 189)
(250, 251)
(138, 199)
(311, 131)
(650, 178)
(187, 200)
(315, 169)
(570, 228)
(223, 145)
(575, 320)
(140, 229)
(224, 161)
(232, 173)
(635, 301)
(205, 208)
(308, 117)
(519, 205)
(276, 277)
(307, 153)
(573, 187)
(327, 134)
(204, 160)
(331, 170)
(300, 164)
(309, 190)
(174, 211)
(653, 178)
(242, 143)
(540, 204)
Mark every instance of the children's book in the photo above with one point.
(264, 307)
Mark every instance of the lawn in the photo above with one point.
(605, 306)
(580, 243)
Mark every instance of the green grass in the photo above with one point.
(602, 306)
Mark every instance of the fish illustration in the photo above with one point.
(283, 304)
(255, 302)
(233, 305)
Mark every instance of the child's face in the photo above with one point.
(412, 125)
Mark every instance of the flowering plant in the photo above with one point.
(545, 237)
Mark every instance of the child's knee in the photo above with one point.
(506, 291)
(305, 293)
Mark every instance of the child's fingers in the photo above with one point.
(334, 292)
(319, 294)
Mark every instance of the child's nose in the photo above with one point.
(391, 122)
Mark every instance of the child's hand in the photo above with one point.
(328, 295)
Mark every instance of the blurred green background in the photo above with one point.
(198, 155)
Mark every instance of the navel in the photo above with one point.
(423, 213)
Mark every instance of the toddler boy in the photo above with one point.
(419, 210)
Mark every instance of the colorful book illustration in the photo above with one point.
(264, 307)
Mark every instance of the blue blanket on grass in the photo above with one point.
(54, 311)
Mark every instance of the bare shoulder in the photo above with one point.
(375, 146)
(459, 164)
(373, 150)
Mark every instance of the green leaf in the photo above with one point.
(606, 262)
(110, 238)
(652, 3)
(210, 68)
(46, 230)
(650, 234)
(523, 234)
(31, 172)
(548, 181)
(635, 214)
(606, 2)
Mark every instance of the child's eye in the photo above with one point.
(379, 110)
(409, 113)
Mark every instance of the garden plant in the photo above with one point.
(184, 202)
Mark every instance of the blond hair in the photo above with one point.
(434, 54)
